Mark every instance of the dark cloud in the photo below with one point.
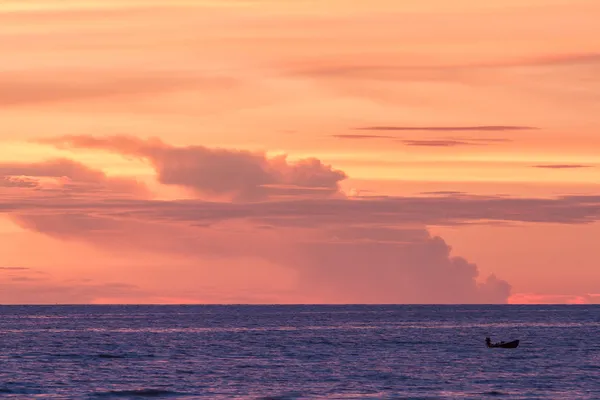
(14, 268)
(494, 128)
(219, 173)
(561, 166)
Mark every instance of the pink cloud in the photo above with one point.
(359, 266)
(70, 177)
(11, 181)
(368, 250)
(417, 269)
(220, 173)
(336, 257)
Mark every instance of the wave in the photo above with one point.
(109, 356)
(348, 327)
(138, 393)
(118, 356)
(495, 393)
(288, 396)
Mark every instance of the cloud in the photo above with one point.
(363, 137)
(201, 169)
(566, 59)
(26, 88)
(444, 193)
(449, 142)
(355, 264)
(70, 177)
(316, 212)
(11, 181)
(403, 71)
(562, 166)
(437, 143)
(442, 142)
(22, 285)
(493, 128)
(339, 252)
(55, 168)
(25, 290)
(371, 250)
(416, 269)
(221, 173)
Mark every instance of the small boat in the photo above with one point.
(503, 345)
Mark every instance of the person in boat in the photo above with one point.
(488, 342)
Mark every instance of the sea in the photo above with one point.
(299, 352)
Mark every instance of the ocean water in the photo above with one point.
(289, 352)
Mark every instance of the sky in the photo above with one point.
(260, 151)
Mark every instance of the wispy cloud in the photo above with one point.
(408, 71)
(363, 137)
(494, 128)
(437, 143)
(440, 142)
(27, 89)
(444, 193)
(566, 59)
(449, 142)
(562, 166)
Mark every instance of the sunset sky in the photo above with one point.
(262, 151)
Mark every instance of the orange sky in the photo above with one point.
(430, 144)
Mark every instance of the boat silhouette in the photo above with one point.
(503, 345)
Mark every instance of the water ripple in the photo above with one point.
(293, 352)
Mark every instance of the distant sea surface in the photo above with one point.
(295, 352)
